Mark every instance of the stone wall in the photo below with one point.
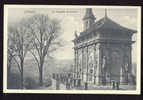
(89, 65)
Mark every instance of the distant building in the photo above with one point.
(103, 51)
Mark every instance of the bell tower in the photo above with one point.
(88, 19)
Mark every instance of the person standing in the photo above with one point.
(57, 82)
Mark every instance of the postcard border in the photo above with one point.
(138, 79)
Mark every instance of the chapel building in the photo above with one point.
(103, 51)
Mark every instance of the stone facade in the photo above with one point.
(103, 51)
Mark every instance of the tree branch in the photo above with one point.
(37, 48)
(17, 64)
(27, 47)
(35, 58)
(47, 46)
(32, 31)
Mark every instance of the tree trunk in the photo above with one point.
(8, 75)
(41, 74)
(22, 60)
(40, 77)
(9, 68)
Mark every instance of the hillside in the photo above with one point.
(50, 66)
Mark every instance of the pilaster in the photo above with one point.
(99, 67)
(87, 63)
(82, 62)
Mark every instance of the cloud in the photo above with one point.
(69, 26)
(129, 21)
(72, 22)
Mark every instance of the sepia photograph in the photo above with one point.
(72, 49)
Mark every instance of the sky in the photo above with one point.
(71, 21)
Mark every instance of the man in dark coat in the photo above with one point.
(57, 82)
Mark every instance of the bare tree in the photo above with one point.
(10, 56)
(46, 34)
(20, 40)
(11, 49)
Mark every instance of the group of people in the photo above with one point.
(66, 79)
(70, 83)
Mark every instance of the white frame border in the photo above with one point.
(138, 85)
